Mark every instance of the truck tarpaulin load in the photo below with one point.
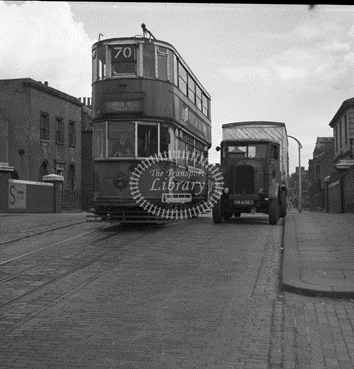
(255, 165)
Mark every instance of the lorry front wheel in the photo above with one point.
(273, 211)
(217, 213)
(282, 204)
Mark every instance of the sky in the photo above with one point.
(281, 63)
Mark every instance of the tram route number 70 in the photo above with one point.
(124, 53)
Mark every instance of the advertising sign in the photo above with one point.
(17, 195)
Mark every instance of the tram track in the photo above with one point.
(85, 252)
(65, 274)
(23, 295)
(17, 258)
(30, 233)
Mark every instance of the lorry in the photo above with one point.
(254, 162)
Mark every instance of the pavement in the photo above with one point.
(318, 255)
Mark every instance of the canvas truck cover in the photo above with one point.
(271, 131)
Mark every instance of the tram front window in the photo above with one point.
(147, 140)
(121, 139)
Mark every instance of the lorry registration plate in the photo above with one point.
(243, 202)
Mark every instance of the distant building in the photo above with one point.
(343, 133)
(87, 179)
(320, 167)
(341, 181)
(40, 129)
(294, 188)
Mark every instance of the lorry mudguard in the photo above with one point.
(273, 190)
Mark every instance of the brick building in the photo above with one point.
(320, 167)
(343, 133)
(40, 129)
(341, 181)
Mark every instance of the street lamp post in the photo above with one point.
(299, 205)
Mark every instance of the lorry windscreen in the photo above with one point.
(247, 151)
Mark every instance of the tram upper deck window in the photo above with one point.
(205, 105)
(121, 139)
(147, 140)
(101, 65)
(191, 89)
(198, 96)
(123, 60)
(182, 78)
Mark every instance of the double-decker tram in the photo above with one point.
(147, 103)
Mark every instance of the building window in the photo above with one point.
(44, 126)
(72, 133)
(43, 170)
(71, 177)
(59, 131)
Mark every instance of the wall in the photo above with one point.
(334, 197)
(25, 196)
(348, 191)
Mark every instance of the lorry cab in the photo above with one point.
(252, 179)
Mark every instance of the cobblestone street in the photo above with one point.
(190, 294)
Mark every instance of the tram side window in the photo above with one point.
(181, 161)
(190, 151)
(191, 89)
(147, 140)
(162, 62)
(166, 142)
(99, 140)
(102, 66)
(198, 96)
(121, 139)
(182, 80)
(205, 105)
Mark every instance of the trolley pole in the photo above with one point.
(299, 205)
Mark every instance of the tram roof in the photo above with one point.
(140, 39)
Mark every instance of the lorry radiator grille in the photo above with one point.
(243, 180)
